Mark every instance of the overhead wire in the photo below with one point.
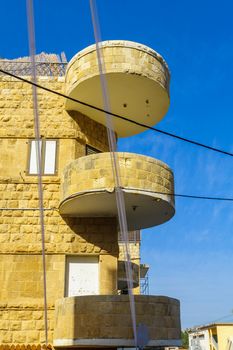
(143, 125)
(119, 194)
(107, 112)
(197, 327)
(32, 50)
(179, 195)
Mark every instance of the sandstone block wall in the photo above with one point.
(94, 172)
(134, 249)
(21, 279)
(111, 320)
(119, 56)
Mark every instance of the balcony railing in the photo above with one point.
(54, 69)
(133, 237)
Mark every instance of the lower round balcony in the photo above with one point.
(88, 189)
(105, 321)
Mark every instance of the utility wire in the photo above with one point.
(197, 327)
(196, 143)
(32, 49)
(120, 200)
(187, 196)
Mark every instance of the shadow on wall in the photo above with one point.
(92, 235)
(90, 132)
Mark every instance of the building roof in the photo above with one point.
(209, 325)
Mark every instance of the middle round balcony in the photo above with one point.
(88, 189)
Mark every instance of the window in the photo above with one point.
(48, 152)
(91, 150)
(82, 275)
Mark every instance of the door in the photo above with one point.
(82, 275)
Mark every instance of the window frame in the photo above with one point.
(76, 257)
(43, 150)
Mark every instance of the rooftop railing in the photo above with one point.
(54, 69)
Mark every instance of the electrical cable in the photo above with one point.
(120, 201)
(107, 112)
(196, 143)
(211, 322)
(32, 49)
(179, 195)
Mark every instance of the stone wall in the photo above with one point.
(73, 131)
(134, 250)
(136, 171)
(120, 56)
(24, 323)
(21, 277)
(112, 323)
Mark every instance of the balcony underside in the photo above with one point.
(88, 189)
(143, 209)
(128, 94)
(137, 79)
(105, 321)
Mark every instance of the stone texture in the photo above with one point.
(21, 295)
(137, 172)
(138, 84)
(119, 56)
(122, 276)
(134, 250)
(111, 319)
(21, 279)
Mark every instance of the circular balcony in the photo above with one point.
(105, 321)
(88, 189)
(137, 80)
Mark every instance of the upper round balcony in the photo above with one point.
(88, 189)
(137, 80)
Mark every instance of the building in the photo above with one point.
(86, 285)
(215, 336)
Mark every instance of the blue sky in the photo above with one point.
(190, 256)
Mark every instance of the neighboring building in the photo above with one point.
(84, 262)
(215, 336)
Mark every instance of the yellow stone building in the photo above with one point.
(85, 277)
(214, 336)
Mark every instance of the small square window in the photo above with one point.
(48, 153)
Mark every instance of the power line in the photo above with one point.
(196, 143)
(32, 50)
(202, 197)
(112, 143)
(197, 327)
(179, 195)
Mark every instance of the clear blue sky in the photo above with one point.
(191, 257)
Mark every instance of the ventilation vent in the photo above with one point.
(91, 150)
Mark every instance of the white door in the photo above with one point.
(82, 275)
